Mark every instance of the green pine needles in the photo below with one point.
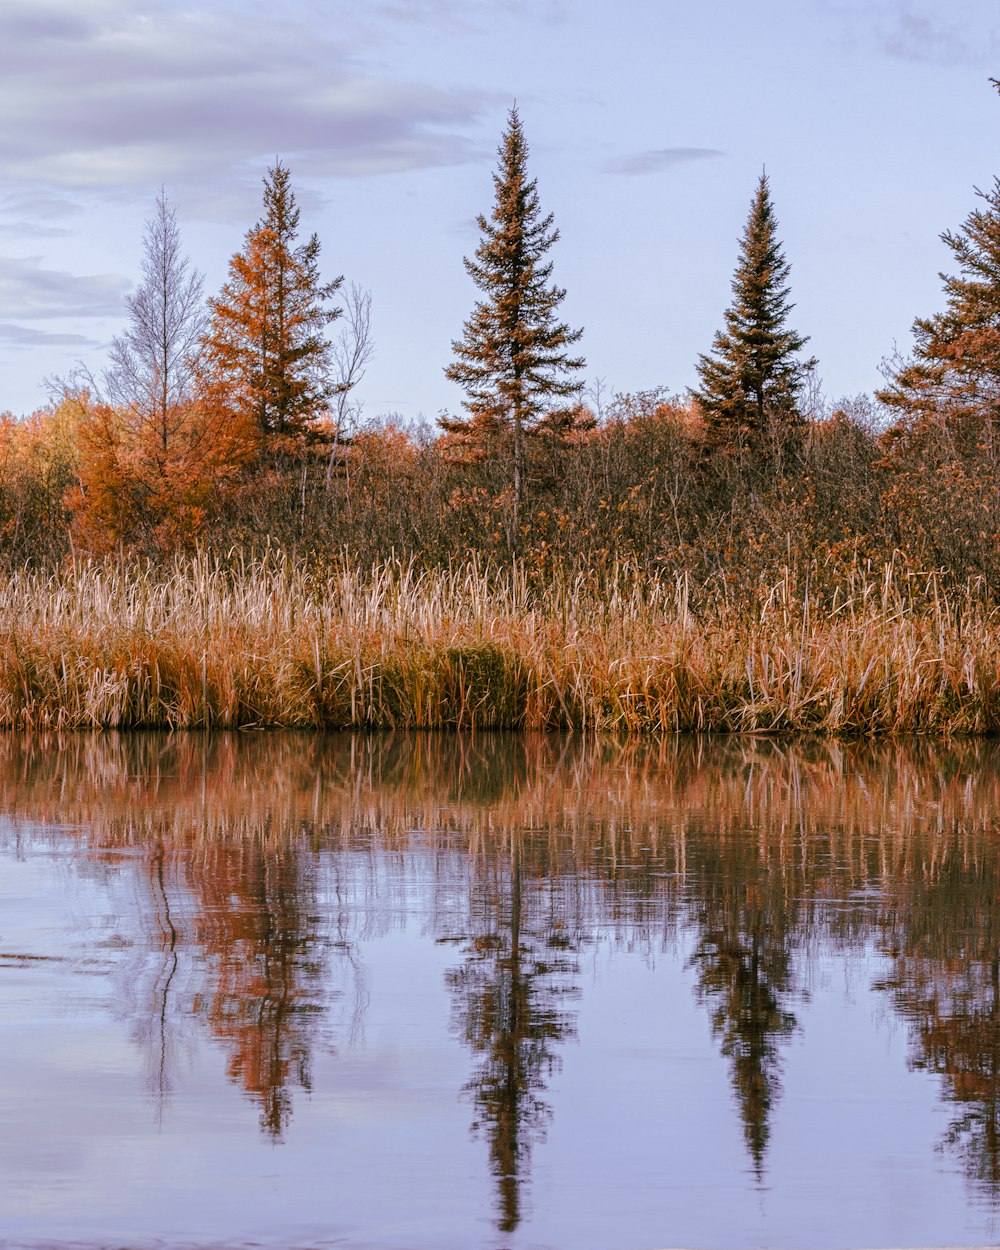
(955, 368)
(513, 359)
(753, 375)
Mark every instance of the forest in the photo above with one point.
(209, 530)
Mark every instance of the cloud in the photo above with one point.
(36, 215)
(39, 206)
(33, 229)
(471, 14)
(28, 292)
(908, 35)
(38, 24)
(656, 159)
(133, 96)
(22, 336)
(924, 31)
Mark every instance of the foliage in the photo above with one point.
(37, 464)
(955, 369)
(252, 438)
(128, 496)
(266, 354)
(512, 360)
(153, 451)
(752, 374)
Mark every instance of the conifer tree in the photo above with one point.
(267, 354)
(513, 358)
(752, 373)
(955, 368)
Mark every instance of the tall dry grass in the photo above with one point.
(270, 643)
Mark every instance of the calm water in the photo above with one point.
(441, 992)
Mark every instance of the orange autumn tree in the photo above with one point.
(152, 452)
(37, 465)
(953, 377)
(266, 357)
(127, 495)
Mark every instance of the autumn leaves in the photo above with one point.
(191, 394)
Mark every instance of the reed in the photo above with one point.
(272, 643)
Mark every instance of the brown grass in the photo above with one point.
(271, 644)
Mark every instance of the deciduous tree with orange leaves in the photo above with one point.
(152, 451)
(266, 356)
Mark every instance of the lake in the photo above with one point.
(501, 991)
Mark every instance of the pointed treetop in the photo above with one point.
(954, 372)
(281, 212)
(512, 361)
(752, 372)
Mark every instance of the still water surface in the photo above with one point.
(442, 992)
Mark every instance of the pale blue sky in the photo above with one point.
(649, 122)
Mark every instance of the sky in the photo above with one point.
(649, 123)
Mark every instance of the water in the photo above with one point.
(508, 991)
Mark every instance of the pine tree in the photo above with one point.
(512, 359)
(955, 368)
(267, 354)
(752, 373)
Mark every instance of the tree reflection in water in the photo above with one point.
(743, 962)
(257, 928)
(945, 982)
(235, 943)
(509, 994)
(261, 868)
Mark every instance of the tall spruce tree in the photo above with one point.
(267, 354)
(752, 373)
(513, 359)
(955, 367)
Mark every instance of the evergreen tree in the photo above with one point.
(955, 368)
(267, 353)
(753, 373)
(513, 357)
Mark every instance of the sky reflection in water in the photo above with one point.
(503, 991)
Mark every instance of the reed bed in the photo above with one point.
(270, 643)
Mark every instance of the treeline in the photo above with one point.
(232, 423)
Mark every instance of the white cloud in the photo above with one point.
(471, 14)
(962, 33)
(656, 159)
(24, 336)
(121, 97)
(36, 215)
(30, 292)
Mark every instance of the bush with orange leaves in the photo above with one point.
(134, 495)
(37, 459)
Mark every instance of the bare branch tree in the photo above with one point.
(151, 374)
(350, 354)
(597, 392)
